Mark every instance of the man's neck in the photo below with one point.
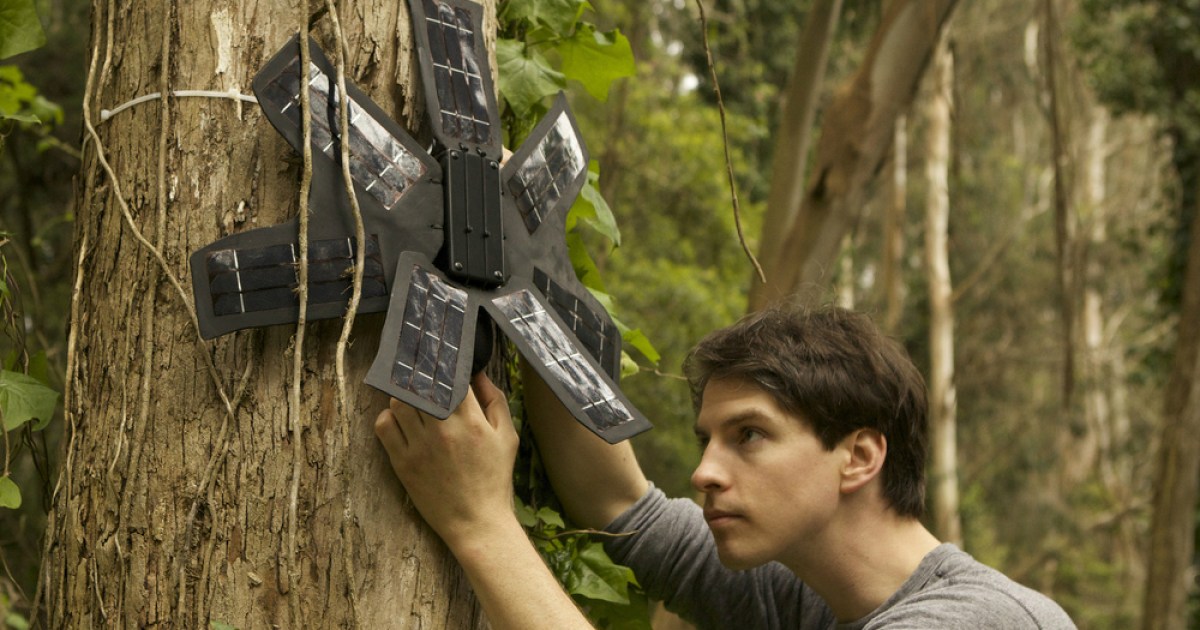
(862, 561)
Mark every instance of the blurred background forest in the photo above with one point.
(1073, 147)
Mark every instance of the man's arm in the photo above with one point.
(595, 481)
(458, 473)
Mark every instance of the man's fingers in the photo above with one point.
(389, 432)
(492, 401)
(406, 413)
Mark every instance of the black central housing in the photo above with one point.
(474, 226)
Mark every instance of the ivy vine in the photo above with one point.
(543, 45)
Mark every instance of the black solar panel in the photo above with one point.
(464, 101)
(264, 278)
(427, 352)
(439, 251)
(379, 163)
(593, 328)
(565, 368)
(541, 183)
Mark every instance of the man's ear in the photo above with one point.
(867, 449)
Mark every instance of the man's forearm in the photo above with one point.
(512, 582)
(595, 481)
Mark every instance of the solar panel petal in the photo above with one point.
(575, 379)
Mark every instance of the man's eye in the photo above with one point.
(751, 435)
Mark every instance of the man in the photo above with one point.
(812, 425)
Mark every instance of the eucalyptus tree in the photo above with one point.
(233, 482)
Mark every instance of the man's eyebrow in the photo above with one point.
(746, 415)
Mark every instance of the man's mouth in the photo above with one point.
(717, 518)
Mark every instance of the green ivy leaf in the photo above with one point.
(557, 15)
(550, 517)
(525, 76)
(595, 576)
(596, 59)
(585, 267)
(23, 398)
(20, 29)
(636, 338)
(591, 208)
(10, 494)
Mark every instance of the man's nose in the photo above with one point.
(709, 475)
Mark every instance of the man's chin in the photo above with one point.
(734, 560)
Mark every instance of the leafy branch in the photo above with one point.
(542, 45)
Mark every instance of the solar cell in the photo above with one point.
(542, 180)
(379, 163)
(255, 279)
(556, 358)
(427, 351)
(464, 102)
(593, 328)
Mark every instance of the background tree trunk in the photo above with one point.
(170, 511)
(894, 211)
(942, 395)
(855, 136)
(1172, 528)
(790, 162)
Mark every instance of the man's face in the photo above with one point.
(770, 487)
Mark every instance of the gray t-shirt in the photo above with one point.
(675, 560)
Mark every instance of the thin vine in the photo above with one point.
(301, 321)
(351, 309)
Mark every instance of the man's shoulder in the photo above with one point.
(959, 591)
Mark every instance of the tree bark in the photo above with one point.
(855, 136)
(173, 509)
(1172, 527)
(942, 394)
(895, 208)
(789, 164)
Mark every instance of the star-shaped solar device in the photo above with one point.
(456, 244)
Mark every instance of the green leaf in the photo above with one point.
(595, 576)
(28, 119)
(10, 494)
(551, 517)
(16, 622)
(596, 59)
(557, 15)
(23, 398)
(525, 76)
(591, 208)
(525, 514)
(636, 338)
(585, 267)
(20, 29)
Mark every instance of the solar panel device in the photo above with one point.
(457, 245)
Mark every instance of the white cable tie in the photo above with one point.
(238, 97)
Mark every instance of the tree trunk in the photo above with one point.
(789, 164)
(895, 208)
(942, 394)
(1063, 237)
(855, 136)
(1172, 527)
(173, 509)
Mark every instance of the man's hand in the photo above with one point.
(457, 471)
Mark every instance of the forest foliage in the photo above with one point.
(1057, 496)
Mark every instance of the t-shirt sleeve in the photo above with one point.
(671, 551)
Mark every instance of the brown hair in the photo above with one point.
(836, 370)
